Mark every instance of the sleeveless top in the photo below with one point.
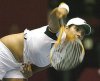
(37, 45)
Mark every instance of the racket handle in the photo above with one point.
(61, 21)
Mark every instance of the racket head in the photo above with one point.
(67, 55)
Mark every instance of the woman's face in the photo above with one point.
(77, 31)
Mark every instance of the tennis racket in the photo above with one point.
(67, 52)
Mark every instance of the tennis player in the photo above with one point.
(32, 47)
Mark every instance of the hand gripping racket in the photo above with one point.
(67, 52)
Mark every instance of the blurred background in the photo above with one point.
(16, 15)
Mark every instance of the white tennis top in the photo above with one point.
(37, 47)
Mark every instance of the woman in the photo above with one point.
(32, 47)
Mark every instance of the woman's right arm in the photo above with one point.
(54, 18)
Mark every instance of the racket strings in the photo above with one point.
(69, 45)
(64, 50)
(68, 54)
(69, 62)
(56, 54)
(71, 55)
(76, 54)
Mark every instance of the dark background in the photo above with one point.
(21, 14)
(16, 15)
